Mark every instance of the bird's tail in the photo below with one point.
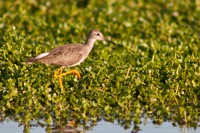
(31, 60)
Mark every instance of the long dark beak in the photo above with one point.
(109, 41)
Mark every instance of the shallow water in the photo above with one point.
(166, 127)
(104, 127)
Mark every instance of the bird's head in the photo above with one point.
(97, 35)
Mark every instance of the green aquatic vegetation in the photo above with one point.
(152, 72)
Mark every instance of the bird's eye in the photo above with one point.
(98, 34)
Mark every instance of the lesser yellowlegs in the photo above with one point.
(69, 55)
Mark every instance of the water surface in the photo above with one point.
(105, 127)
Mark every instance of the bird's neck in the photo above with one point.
(90, 41)
(89, 45)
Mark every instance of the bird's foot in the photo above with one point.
(71, 71)
(58, 74)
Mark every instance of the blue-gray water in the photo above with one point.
(105, 127)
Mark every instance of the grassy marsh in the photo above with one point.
(153, 71)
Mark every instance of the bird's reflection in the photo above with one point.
(69, 128)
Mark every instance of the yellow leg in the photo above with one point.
(60, 79)
(71, 71)
(58, 74)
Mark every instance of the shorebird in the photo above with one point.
(69, 55)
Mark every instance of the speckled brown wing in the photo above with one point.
(66, 55)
